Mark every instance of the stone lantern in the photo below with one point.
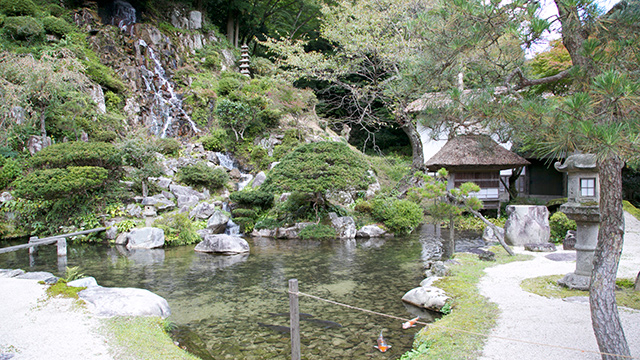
(244, 60)
(583, 195)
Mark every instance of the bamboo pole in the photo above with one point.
(294, 314)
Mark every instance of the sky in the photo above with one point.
(548, 10)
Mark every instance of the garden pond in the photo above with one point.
(236, 307)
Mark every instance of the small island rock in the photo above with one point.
(224, 244)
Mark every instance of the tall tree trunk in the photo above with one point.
(416, 144)
(230, 28)
(604, 310)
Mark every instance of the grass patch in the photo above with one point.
(547, 286)
(142, 338)
(628, 207)
(470, 311)
(60, 289)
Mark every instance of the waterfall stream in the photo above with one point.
(167, 106)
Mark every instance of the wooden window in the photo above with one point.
(588, 187)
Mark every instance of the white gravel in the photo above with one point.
(53, 329)
(529, 317)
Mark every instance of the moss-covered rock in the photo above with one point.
(18, 7)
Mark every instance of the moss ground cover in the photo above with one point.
(471, 312)
(142, 338)
(548, 286)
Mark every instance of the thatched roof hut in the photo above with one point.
(474, 152)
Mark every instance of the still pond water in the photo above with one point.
(237, 305)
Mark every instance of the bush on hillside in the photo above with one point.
(203, 175)
(56, 26)
(18, 7)
(559, 224)
(24, 28)
(253, 198)
(78, 153)
(246, 213)
(399, 216)
(51, 184)
(11, 170)
(168, 146)
(215, 141)
(246, 224)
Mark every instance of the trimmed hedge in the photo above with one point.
(261, 199)
(78, 153)
(51, 184)
(203, 175)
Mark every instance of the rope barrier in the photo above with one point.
(458, 330)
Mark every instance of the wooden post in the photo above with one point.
(34, 249)
(62, 247)
(294, 314)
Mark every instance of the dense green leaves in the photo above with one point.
(203, 175)
(318, 167)
(58, 183)
(78, 153)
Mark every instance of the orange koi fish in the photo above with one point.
(410, 323)
(382, 344)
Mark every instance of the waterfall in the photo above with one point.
(232, 229)
(167, 106)
(225, 161)
(245, 180)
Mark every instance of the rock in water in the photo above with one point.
(145, 238)
(111, 302)
(427, 297)
(224, 244)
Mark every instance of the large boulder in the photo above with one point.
(145, 238)
(186, 196)
(259, 179)
(371, 231)
(217, 223)
(345, 226)
(203, 210)
(223, 244)
(527, 224)
(110, 302)
(427, 297)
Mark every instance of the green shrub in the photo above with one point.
(18, 7)
(203, 175)
(58, 183)
(215, 141)
(560, 224)
(268, 223)
(104, 76)
(11, 170)
(105, 136)
(56, 26)
(251, 198)
(23, 28)
(318, 232)
(247, 213)
(78, 153)
(178, 230)
(363, 206)
(168, 146)
(230, 83)
(400, 216)
(246, 224)
(262, 66)
(56, 10)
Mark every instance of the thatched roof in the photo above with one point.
(474, 152)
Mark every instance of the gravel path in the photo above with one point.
(53, 329)
(564, 323)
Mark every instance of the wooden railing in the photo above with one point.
(60, 240)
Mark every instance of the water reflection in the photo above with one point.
(221, 299)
